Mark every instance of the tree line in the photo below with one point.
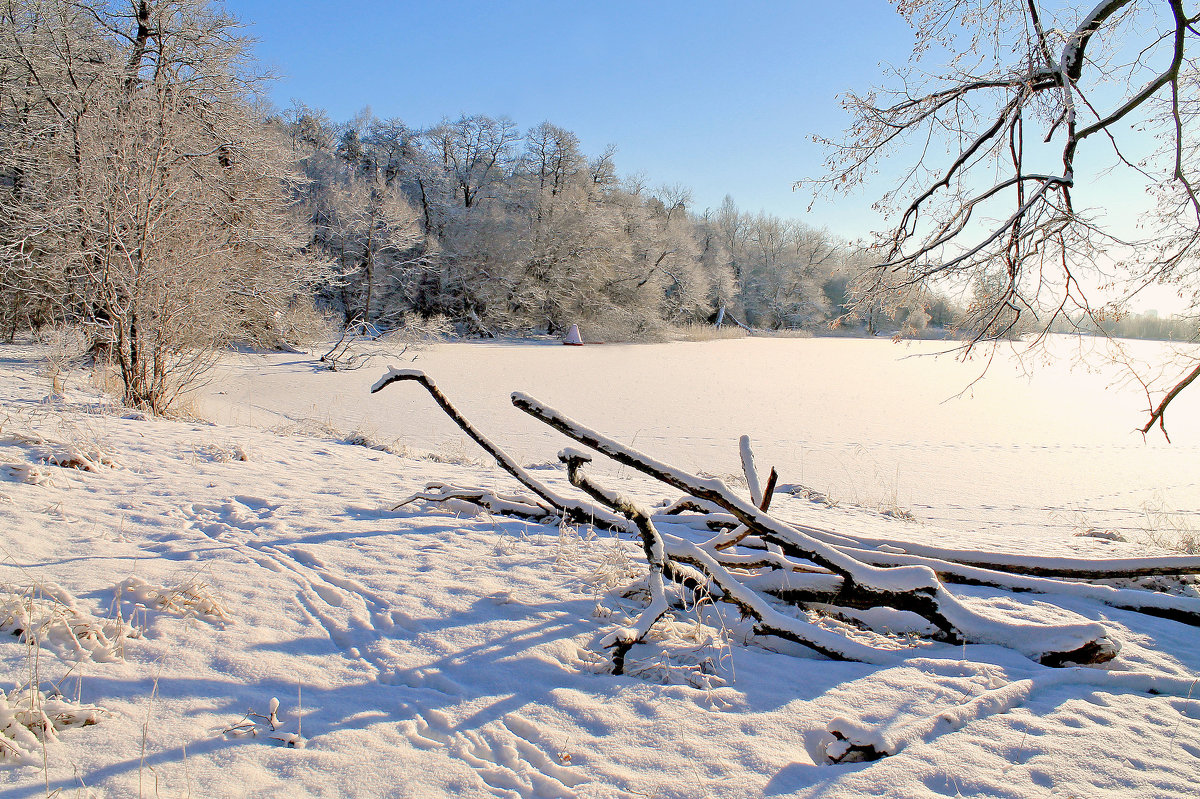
(150, 195)
(504, 230)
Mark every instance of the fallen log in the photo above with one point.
(763, 559)
(1042, 566)
(912, 588)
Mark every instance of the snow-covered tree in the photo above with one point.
(142, 183)
(1009, 118)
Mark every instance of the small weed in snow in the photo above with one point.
(252, 723)
(40, 453)
(361, 438)
(614, 569)
(455, 453)
(191, 599)
(227, 452)
(571, 544)
(1168, 530)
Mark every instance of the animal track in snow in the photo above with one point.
(351, 614)
(507, 754)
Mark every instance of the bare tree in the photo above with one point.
(552, 157)
(475, 152)
(155, 195)
(999, 141)
(367, 228)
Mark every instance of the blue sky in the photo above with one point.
(719, 96)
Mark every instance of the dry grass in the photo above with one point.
(706, 333)
(1170, 530)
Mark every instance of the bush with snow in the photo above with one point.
(46, 616)
(30, 717)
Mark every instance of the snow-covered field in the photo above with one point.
(191, 573)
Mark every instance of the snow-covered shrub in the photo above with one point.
(62, 456)
(65, 351)
(191, 599)
(47, 616)
(416, 330)
(301, 324)
(29, 717)
(698, 332)
(624, 327)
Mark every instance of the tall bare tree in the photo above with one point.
(476, 152)
(154, 194)
(1031, 102)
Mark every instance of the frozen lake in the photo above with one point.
(1034, 448)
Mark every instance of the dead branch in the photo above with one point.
(912, 588)
(572, 510)
(1158, 414)
(763, 560)
(499, 504)
(623, 639)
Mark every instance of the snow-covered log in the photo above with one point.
(916, 589)
(1179, 608)
(1042, 566)
(755, 560)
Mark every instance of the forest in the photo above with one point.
(505, 231)
(150, 195)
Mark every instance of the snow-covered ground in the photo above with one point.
(190, 573)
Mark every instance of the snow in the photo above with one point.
(206, 582)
